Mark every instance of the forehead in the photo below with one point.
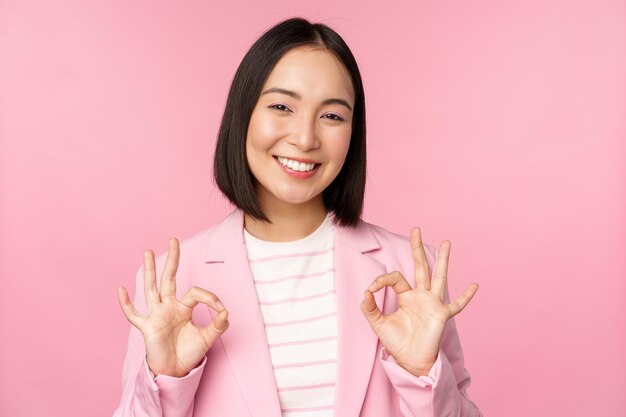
(311, 70)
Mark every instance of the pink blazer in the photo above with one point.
(236, 378)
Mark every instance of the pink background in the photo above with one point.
(505, 119)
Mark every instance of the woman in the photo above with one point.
(300, 320)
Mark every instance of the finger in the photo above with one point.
(197, 295)
(370, 310)
(168, 279)
(217, 327)
(127, 307)
(441, 269)
(422, 271)
(459, 304)
(149, 280)
(394, 280)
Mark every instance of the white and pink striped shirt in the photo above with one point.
(295, 284)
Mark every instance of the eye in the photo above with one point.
(334, 117)
(279, 107)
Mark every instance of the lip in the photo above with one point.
(298, 174)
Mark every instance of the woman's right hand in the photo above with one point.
(174, 345)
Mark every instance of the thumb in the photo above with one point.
(370, 310)
(215, 329)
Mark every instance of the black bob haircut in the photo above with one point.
(344, 196)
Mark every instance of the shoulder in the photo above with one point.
(393, 241)
(210, 243)
(394, 250)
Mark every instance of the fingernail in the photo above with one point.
(220, 305)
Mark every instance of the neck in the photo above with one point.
(289, 222)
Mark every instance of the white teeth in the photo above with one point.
(295, 165)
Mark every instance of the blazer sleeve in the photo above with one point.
(143, 394)
(443, 391)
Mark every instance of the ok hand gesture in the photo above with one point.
(412, 334)
(174, 345)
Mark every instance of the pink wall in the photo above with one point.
(505, 118)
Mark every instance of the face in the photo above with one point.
(300, 128)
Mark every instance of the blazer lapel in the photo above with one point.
(354, 272)
(245, 342)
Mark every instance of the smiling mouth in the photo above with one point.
(298, 166)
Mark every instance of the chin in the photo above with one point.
(296, 199)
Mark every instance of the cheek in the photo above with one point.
(339, 144)
(263, 132)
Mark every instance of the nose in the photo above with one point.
(305, 136)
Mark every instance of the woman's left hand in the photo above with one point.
(412, 334)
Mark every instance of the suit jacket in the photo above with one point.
(236, 377)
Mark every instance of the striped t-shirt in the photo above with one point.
(295, 284)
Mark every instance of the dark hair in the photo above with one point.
(344, 196)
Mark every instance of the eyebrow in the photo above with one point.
(299, 97)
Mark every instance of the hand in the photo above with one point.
(412, 334)
(174, 345)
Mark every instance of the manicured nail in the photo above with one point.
(220, 305)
